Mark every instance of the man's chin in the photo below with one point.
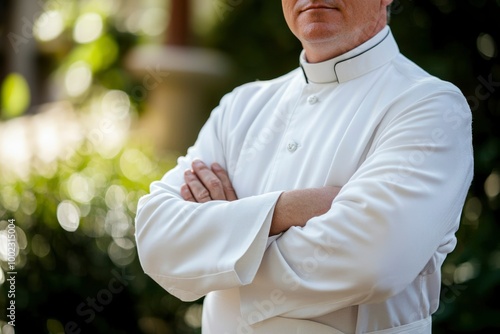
(319, 33)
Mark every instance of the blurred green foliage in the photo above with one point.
(77, 265)
(58, 270)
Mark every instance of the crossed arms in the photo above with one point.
(293, 208)
(370, 240)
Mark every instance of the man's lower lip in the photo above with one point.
(318, 8)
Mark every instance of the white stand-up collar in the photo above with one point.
(368, 56)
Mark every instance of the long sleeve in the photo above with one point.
(190, 248)
(393, 219)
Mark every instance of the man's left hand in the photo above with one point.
(205, 184)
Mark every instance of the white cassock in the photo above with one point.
(398, 142)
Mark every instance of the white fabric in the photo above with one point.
(398, 142)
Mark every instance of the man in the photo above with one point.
(323, 201)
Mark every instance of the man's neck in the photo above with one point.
(322, 51)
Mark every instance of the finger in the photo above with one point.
(227, 186)
(198, 190)
(186, 193)
(209, 180)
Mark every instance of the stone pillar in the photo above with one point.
(178, 79)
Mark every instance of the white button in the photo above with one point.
(292, 146)
(312, 99)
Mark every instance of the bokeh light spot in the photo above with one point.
(115, 197)
(473, 209)
(78, 79)
(125, 243)
(119, 255)
(48, 26)
(492, 185)
(88, 28)
(152, 21)
(10, 198)
(81, 188)
(28, 203)
(7, 329)
(40, 246)
(486, 46)
(117, 224)
(68, 216)
(4, 247)
(193, 316)
(21, 239)
(54, 326)
(15, 97)
(117, 104)
(465, 272)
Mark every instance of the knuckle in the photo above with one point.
(214, 183)
(200, 166)
(203, 194)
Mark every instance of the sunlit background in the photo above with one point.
(99, 97)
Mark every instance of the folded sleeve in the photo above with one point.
(191, 248)
(399, 209)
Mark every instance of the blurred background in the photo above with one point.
(99, 97)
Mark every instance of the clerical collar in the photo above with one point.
(375, 52)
